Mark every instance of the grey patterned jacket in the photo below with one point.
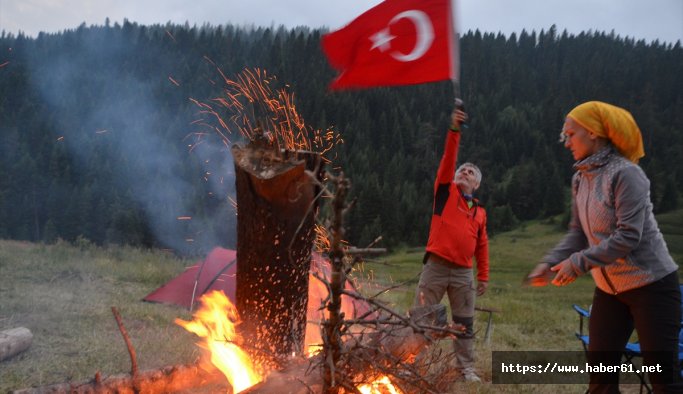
(612, 232)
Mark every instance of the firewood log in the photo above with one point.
(177, 378)
(14, 341)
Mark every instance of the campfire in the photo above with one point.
(216, 322)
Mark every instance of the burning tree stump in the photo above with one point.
(276, 202)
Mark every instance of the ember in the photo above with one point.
(258, 108)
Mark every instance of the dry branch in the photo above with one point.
(129, 344)
(362, 251)
(333, 325)
(389, 350)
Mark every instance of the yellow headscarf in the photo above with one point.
(611, 122)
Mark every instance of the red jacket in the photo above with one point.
(457, 232)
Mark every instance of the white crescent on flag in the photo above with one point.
(425, 35)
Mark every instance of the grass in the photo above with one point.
(64, 294)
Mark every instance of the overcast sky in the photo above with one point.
(639, 19)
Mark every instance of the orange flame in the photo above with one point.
(317, 293)
(215, 321)
(317, 297)
(380, 386)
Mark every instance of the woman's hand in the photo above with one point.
(539, 276)
(565, 273)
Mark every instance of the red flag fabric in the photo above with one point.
(398, 42)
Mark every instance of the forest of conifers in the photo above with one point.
(96, 123)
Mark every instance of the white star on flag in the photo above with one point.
(381, 40)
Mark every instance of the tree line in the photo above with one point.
(97, 125)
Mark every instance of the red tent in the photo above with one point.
(216, 272)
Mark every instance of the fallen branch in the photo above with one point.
(362, 251)
(159, 381)
(129, 344)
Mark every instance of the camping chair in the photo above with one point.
(630, 352)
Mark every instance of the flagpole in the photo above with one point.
(457, 98)
(456, 95)
(456, 89)
(455, 58)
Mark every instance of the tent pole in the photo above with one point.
(196, 281)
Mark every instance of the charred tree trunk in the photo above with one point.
(276, 203)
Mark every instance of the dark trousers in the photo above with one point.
(654, 311)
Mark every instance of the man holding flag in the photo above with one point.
(457, 233)
(403, 42)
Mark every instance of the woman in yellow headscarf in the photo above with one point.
(612, 123)
(613, 235)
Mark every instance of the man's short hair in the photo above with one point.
(476, 169)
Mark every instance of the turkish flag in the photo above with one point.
(398, 42)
